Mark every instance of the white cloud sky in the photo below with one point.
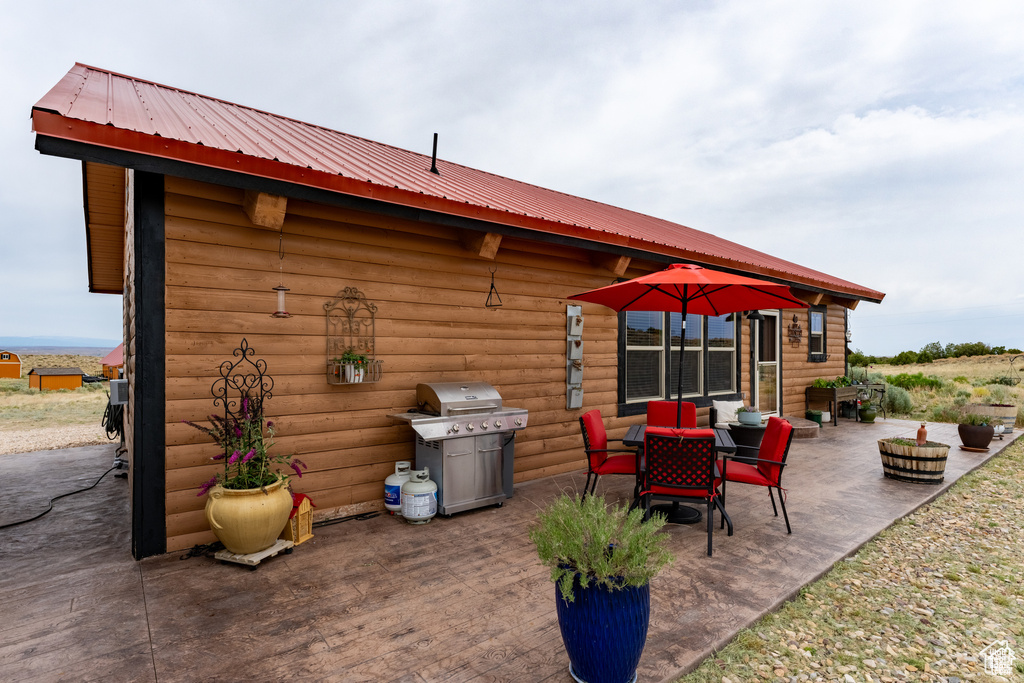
(878, 142)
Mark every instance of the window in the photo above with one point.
(721, 355)
(645, 353)
(816, 335)
(649, 358)
(5, 356)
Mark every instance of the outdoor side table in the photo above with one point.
(748, 441)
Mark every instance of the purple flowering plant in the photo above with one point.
(247, 461)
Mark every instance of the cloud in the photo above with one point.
(878, 142)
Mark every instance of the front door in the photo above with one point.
(766, 362)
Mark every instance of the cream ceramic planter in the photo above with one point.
(248, 520)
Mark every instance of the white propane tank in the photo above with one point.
(393, 486)
(419, 497)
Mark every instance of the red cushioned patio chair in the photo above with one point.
(601, 459)
(664, 413)
(771, 459)
(680, 465)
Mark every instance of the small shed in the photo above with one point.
(10, 365)
(113, 363)
(51, 379)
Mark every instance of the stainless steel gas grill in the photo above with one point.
(467, 438)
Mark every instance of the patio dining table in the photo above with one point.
(674, 512)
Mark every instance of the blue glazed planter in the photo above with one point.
(604, 632)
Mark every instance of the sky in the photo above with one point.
(879, 142)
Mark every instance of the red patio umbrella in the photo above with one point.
(689, 288)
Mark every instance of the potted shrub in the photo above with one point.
(602, 559)
(748, 415)
(904, 460)
(975, 431)
(249, 501)
(866, 408)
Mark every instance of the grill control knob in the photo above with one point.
(454, 429)
(469, 428)
(484, 425)
(519, 422)
(497, 424)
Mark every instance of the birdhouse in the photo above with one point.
(300, 524)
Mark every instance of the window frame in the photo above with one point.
(669, 382)
(822, 356)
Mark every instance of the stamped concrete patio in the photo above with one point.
(459, 599)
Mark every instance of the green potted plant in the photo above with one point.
(602, 559)
(355, 365)
(249, 502)
(748, 415)
(866, 409)
(976, 431)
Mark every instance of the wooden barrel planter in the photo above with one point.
(904, 460)
(1004, 411)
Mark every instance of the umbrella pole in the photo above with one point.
(679, 386)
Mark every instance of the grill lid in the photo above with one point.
(457, 398)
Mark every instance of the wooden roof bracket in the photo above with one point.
(849, 304)
(483, 244)
(266, 210)
(616, 263)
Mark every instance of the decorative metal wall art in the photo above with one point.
(241, 379)
(795, 331)
(352, 339)
(573, 357)
(493, 298)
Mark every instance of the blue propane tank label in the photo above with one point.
(393, 495)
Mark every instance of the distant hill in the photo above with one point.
(49, 346)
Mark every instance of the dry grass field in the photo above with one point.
(89, 364)
(964, 380)
(33, 420)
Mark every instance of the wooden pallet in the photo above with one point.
(252, 560)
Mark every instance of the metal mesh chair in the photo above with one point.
(767, 468)
(680, 465)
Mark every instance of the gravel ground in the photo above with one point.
(49, 438)
(918, 603)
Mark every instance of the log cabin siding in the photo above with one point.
(798, 372)
(431, 326)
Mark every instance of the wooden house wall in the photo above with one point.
(797, 371)
(431, 326)
(128, 312)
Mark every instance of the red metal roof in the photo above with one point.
(115, 357)
(112, 110)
